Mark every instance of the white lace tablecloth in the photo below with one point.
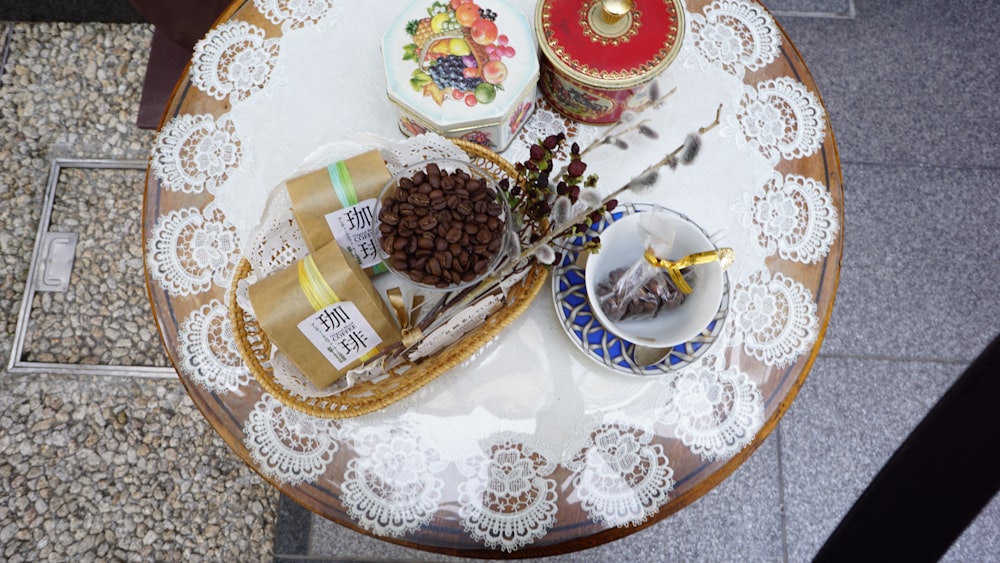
(502, 446)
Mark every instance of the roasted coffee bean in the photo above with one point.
(428, 222)
(446, 260)
(419, 199)
(479, 207)
(434, 180)
(433, 169)
(454, 234)
(480, 267)
(400, 243)
(464, 207)
(404, 209)
(494, 209)
(418, 178)
(472, 228)
(425, 242)
(439, 203)
(388, 216)
(440, 244)
(388, 244)
(481, 218)
(484, 237)
(434, 266)
(447, 182)
(409, 222)
(386, 229)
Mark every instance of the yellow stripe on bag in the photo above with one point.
(319, 293)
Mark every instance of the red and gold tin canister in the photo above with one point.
(599, 57)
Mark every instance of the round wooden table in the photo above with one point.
(217, 143)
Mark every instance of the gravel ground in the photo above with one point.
(96, 467)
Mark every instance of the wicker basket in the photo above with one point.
(366, 397)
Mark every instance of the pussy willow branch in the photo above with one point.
(582, 216)
(613, 131)
(442, 312)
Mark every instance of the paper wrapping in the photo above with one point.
(338, 202)
(310, 312)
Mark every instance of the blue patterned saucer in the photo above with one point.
(569, 292)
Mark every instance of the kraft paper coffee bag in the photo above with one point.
(338, 202)
(324, 314)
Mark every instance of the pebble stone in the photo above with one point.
(97, 467)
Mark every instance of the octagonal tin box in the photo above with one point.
(465, 69)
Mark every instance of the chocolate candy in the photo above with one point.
(657, 295)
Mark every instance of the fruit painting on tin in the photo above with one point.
(459, 52)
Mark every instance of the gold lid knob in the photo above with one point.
(614, 10)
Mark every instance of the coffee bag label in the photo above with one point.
(352, 229)
(341, 333)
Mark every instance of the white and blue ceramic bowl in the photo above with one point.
(622, 244)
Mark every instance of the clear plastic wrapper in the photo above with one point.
(642, 290)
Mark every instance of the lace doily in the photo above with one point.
(734, 35)
(190, 250)
(196, 153)
(235, 59)
(715, 413)
(288, 445)
(544, 122)
(622, 477)
(209, 351)
(508, 499)
(297, 14)
(774, 317)
(791, 216)
(780, 118)
(392, 489)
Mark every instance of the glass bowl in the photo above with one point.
(417, 238)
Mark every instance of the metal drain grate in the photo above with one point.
(51, 267)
